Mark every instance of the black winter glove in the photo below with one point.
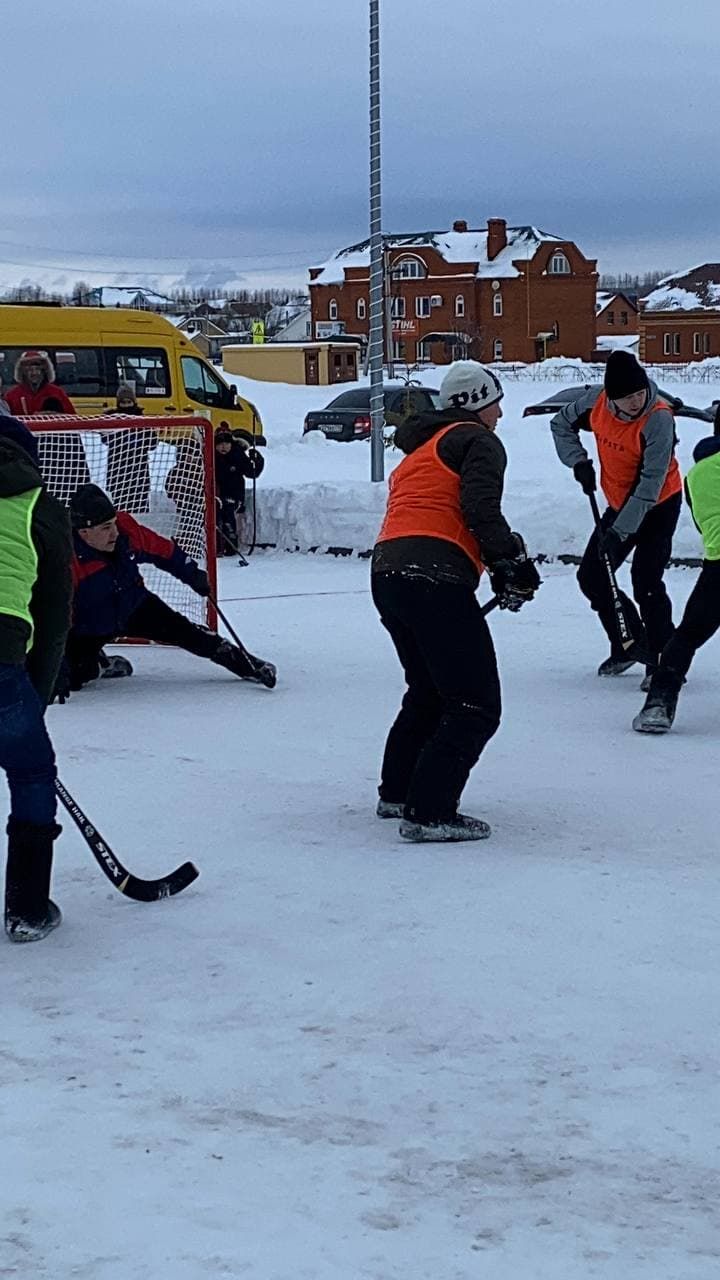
(584, 473)
(514, 582)
(610, 544)
(61, 690)
(198, 581)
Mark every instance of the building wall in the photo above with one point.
(677, 337)
(532, 302)
(616, 319)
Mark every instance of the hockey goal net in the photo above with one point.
(160, 470)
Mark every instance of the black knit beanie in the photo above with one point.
(89, 506)
(623, 375)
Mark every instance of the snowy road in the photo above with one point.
(337, 1057)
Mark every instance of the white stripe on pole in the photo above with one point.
(375, 344)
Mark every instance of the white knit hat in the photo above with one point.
(470, 386)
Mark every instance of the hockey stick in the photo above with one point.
(234, 547)
(132, 886)
(627, 640)
(491, 604)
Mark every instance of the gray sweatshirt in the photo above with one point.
(658, 444)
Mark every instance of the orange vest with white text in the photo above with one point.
(620, 450)
(424, 501)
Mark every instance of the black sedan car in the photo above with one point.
(559, 399)
(347, 417)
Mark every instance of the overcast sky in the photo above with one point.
(235, 131)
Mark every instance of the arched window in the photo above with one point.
(361, 309)
(559, 265)
(460, 305)
(332, 309)
(408, 269)
(497, 304)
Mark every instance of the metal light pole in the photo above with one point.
(375, 344)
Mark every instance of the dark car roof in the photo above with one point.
(360, 396)
(568, 394)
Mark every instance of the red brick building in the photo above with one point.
(500, 293)
(616, 315)
(680, 319)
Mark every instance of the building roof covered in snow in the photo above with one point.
(695, 290)
(128, 296)
(461, 246)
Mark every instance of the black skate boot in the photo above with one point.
(115, 667)
(29, 912)
(660, 706)
(461, 827)
(245, 665)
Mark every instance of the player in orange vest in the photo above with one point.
(443, 524)
(634, 432)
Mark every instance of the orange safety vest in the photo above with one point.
(424, 501)
(619, 446)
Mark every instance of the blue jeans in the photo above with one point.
(26, 752)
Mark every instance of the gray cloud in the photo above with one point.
(236, 132)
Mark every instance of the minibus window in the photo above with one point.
(202, 385)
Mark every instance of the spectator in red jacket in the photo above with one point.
(36, 390)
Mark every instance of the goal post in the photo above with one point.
(158, 469)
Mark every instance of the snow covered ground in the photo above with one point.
(316, 492)
(338, 1057)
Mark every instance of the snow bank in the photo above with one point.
(317, 493)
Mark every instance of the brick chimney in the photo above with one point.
(460, 225)
(496, 237)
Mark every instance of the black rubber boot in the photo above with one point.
(660, 706)
(29, 913)
(461, 827)
(246, 666)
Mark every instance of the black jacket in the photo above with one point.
(51, 599)
(233, 468)
(479, 458)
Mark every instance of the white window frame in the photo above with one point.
(332, 309)
(460, 305)
(497, 349)
(559, 264)
(676, 344)
(423, 307)
(667, 344)
(408, 269)
(361, 309)
(696, 344)
(706, 344)
(397, 308)
(497, 304)
(399, 349)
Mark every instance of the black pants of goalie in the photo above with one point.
(154, 620)
(699, 623)
(651, 547)
(452, 705)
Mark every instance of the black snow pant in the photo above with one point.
(652, 545)
(452, 705)
(153, 620)
(698, 624)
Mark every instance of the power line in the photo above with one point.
(146, 257)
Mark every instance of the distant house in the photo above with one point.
(680, 319)
(297, 329)
(497, 293)
(137, 298)
(616, 313)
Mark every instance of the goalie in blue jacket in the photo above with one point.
(111, 599)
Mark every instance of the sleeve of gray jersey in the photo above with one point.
(566, 426)
(659, 432)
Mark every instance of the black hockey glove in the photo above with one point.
(514, 582)
(61, 690)
(584, 473)
(610, 544)
(198, 581)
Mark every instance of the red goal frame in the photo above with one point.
(166, 426)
